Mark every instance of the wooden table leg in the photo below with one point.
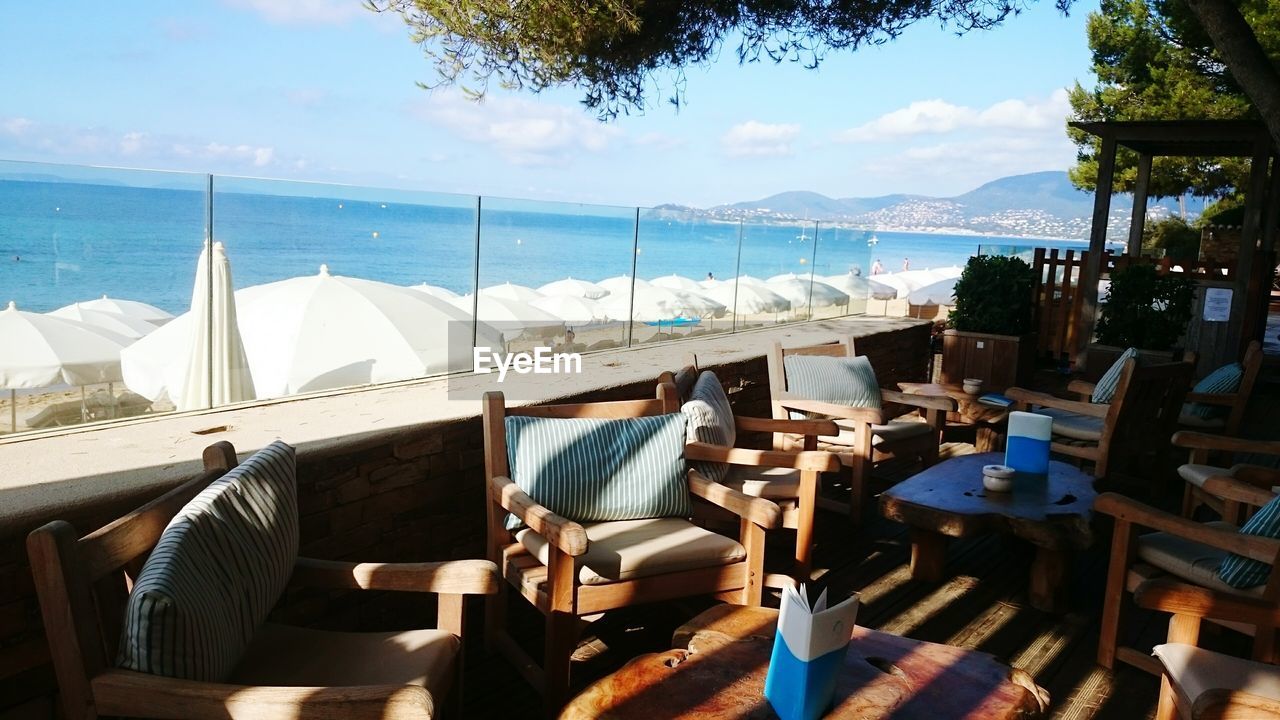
(1048, 580)
(928, 554)
(988, 438)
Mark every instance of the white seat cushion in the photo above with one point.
(1189, 560)
(894, 431)
(1197, 671)
(1192, 420)
(1072, 425)
(1197, 474)
(630, 549)
(770, 483)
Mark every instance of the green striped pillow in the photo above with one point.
(1225, 379)
(848, 381)
(710, 421)
(1106, 387)
(1241, 572)
(593, 469)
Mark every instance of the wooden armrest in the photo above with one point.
(759, 511)
(818, 460)
(127, 693)
(1257, 476)
(1204, 441)
(1224, 538)
(1229, 488)
(795, 427)
(1081, 387)
(844, 412)
(928, 402)
(565, 534)
(456, 577)
(1030, 397)
(1225, 400)
(1180, 598)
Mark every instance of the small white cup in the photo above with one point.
(973, 386)
(997, 478)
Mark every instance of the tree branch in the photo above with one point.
(1240, 50)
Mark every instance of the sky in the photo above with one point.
(323, 90)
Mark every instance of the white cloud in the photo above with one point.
(964, 163)
(306, 97)
(939, 117)
(757, 139)
(302, 12)
(15, 126)
(524, 132)
(658, 141)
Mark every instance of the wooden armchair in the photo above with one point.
(1199, 684)
(1184, 550)
(84, 584)
(788, 478)
(570, 570)
(1137, 422)
(868, 436)
(1212, 455)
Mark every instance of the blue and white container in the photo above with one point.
(808, 654)
(1027, 447)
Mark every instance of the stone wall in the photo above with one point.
(411, 499)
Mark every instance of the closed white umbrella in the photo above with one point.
(572, 287)
(435, 291)
(942, 292)
(800, 290)
(677, 282)
(511, 317)
(132, 308)
(750, 299)
(41, 350)
(572, 309)
(124, 325)
(511, 291)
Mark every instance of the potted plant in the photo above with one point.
(991, 336)
(1142, 309)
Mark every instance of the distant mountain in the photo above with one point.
(1043, 204)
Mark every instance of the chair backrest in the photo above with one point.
(1144, 413)
(1252, 365)
(777, 365)
(83, 582)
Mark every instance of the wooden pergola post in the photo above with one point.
(1140, 191)
(1092, 270)
(1254, 202)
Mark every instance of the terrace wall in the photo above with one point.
(397, 495)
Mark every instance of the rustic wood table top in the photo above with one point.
(968, 408)
(948, 498)
(718, 666)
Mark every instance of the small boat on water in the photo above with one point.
(873, 240)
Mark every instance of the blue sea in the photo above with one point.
(62, 242)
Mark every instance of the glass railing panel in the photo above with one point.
(687, 264)
(340, 286)
(841, 261)
(92, 262)
(777, 258)
(556, 274)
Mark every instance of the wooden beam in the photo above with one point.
(1139, 220)
(1255, 199)
(1272, 212)
(1092, 270)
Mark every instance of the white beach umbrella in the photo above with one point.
(750, 299)
(572, 309)
(620, 286)
(912, 280)
(512, 317)
(698, 304)
(859, 286)
(435, 291)
(799, 291)
(677, 282)
(572, 287)
(132, 308)
(124, 325)
(891, 287)
(942, 292)
(511, 291)
(749, 280)
(39, 350)
(652, 304)
(946, 273)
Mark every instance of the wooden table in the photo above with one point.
(720, 658)
(948, 500)
(986, 419)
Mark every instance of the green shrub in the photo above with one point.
(1145, 309)
(993, 295)
(1179, 240)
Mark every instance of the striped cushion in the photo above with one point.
(848, 381)
(1243, 573)
(218, 568)
(591, 469)
(1225, 379)
(1106, 387)
(710, 420)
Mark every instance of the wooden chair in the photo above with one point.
(1199, 684)
(868, 436)
(1137, 423)
(788, 478)
(1236, 403)
(1184, 550)
(83, 585)
(571, 582)
(1212, 455)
